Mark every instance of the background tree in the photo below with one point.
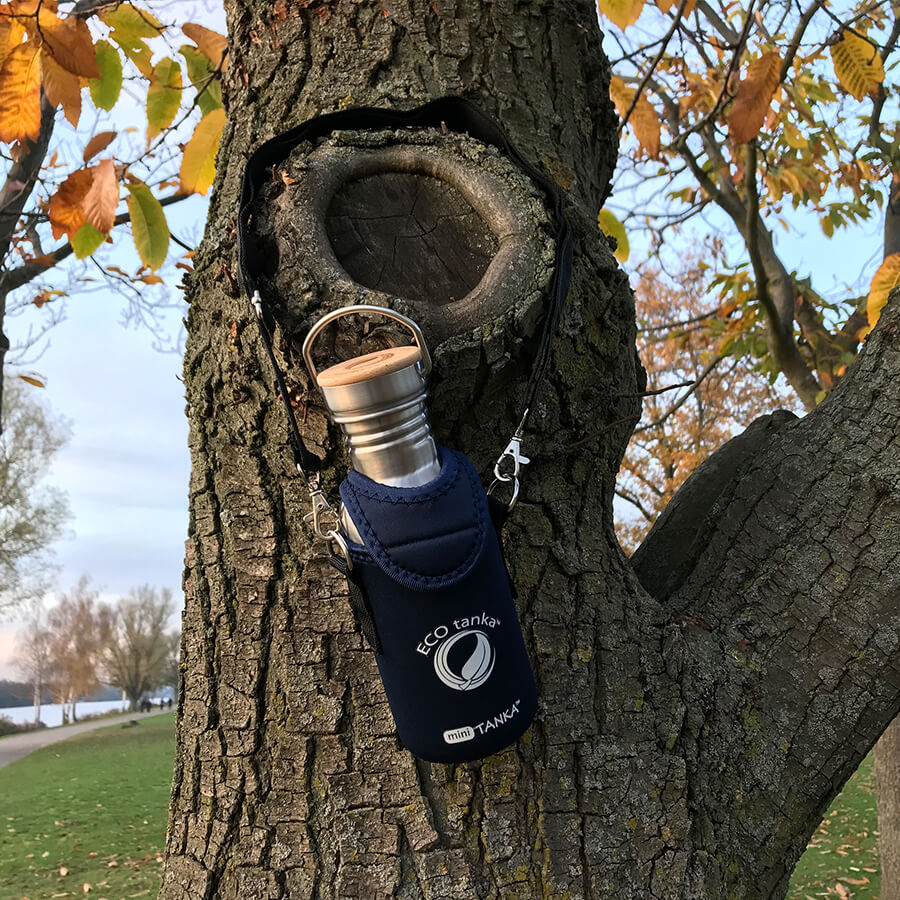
(138, 644)
(682, 327)
(66, 182)
(692, 728)
(32, 514)
(33, 653)
(75, 625)
(752, 118)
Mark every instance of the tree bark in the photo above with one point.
(689, 737)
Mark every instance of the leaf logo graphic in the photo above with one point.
(477, 668)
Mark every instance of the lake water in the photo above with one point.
(51, 713)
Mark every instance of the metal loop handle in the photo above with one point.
(424, 363)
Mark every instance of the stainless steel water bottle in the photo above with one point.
(378, 400)
(421, 551)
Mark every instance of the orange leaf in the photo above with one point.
(61, 87)
(643, 118)
(97, 143)
(102, 198)
(66, 212)
(20, 94)
(11, 33)
(69, 42)
(211, 44)
(754, 96)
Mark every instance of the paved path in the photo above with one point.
(18, 745)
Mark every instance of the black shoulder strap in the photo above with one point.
(454, 113)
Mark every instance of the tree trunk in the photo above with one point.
(887, 750)
(689, 736)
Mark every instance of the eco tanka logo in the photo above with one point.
(464, 659)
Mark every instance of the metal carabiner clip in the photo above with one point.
(513, 451)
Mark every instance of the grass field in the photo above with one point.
(90, 810)
(842, 858)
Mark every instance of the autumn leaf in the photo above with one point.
(62, 88)
(198, 165)
(132, 22)
(97, 144)
(148, 225)
(32, 380)
(69, 42)
(102, 197)
(754, 96)
(163, 97)
(20, 94)
(105, 89)
(886, 279)
(211, 44)
(666, 5)
(643, 118)
(620, 12)
(87, 240)
(612, 227)
(11, 34)
(857, 65)
(201, 75)
(66, 212)
(138, 52)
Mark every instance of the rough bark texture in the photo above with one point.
(686, 743)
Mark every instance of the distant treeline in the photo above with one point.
(17, 693)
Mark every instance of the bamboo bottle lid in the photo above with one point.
(371, 365)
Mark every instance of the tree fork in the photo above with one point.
(655, 767)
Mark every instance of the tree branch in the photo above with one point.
(21, 275)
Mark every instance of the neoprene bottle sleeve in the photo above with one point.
(443, 622)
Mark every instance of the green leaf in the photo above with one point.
(105, 89)
(202, 78)
(163, 97)
(132, 22)
(87, 240)
(613, 228)
(138, 52)
(148, 225)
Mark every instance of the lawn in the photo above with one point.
(91, 810)
(842, 858)
(86, 817)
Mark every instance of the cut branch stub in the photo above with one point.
(437, 226)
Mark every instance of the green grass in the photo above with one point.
(841, 860)
(94, 806)
(88, 810)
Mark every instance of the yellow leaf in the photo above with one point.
(643, 118)
(102, 197)
(20, 94)
(97, 143)
(148, 225)
(886, 279)
(754, 96)
(69, 42)
(131, 22)
(857, 65)
(163, 97)
(198, 166)
(620, 12)
(61, 87)
(66, 212)
(612, 227)
(211, 44)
